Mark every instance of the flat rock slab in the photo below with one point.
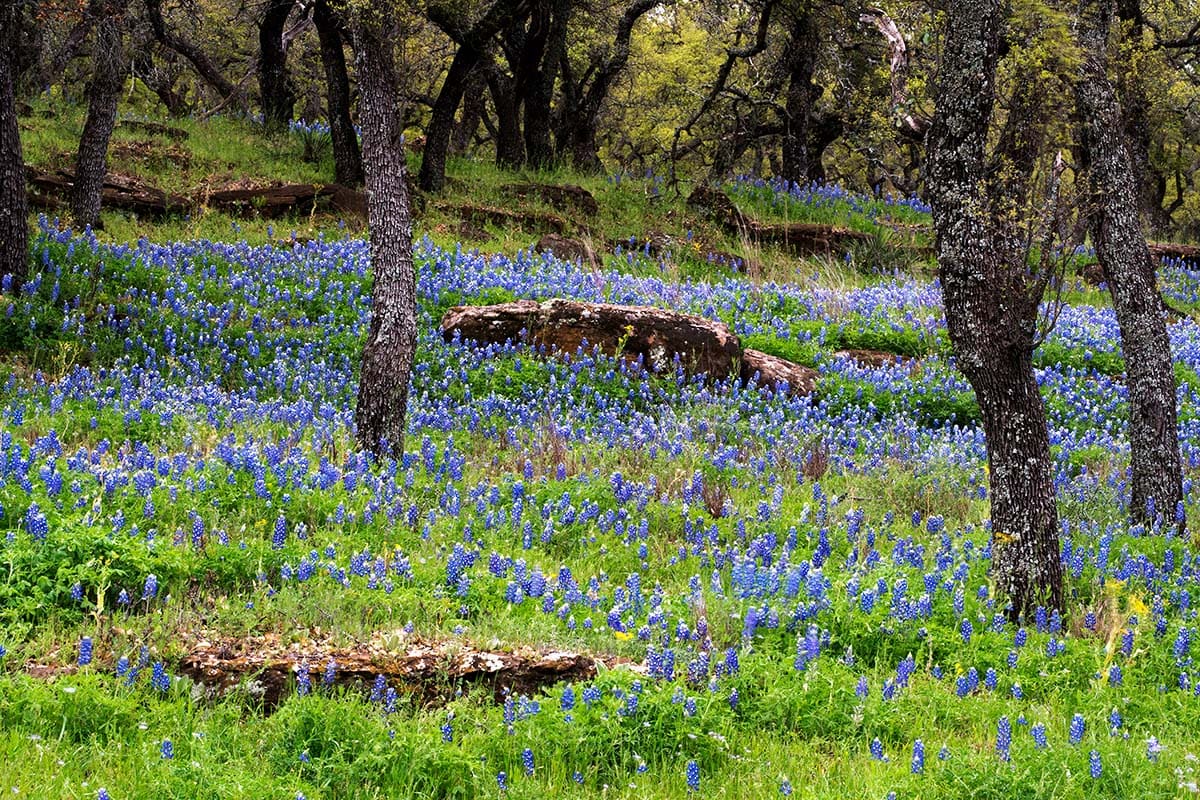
(776, 373)
(505, 218)
(871, 358)
(656, 336)
(567, 249)
(269, 668)
(801, 238)
(564, 198)
(50, 189)
(1183, 252)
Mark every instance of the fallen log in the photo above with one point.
(870, 358)
(655, 336)
(430, 671)
(155, 128)
(1183, 252)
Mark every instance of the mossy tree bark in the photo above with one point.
(108, 75)
(347, 156)
(992, 312)
(391, 343)
(1129, 271)
(14, 209)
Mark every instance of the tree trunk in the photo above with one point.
(108, 75)
(473, 107)
(160, 82)
(347, 157)
(801, 95)
(277, 99)
(991, 313)
(14, 225)
(538, 121)
(1135, 105)
(472, 45)
(391, 343)
(510, 149)
(580, 115)
(1129, 270)
(441, 120)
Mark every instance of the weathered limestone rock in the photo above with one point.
(657, 336)
(777, 373)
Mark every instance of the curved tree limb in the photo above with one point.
(202, 63)
(907, 122)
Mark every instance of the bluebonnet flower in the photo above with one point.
(877, 750)
(1003, 738)
(693, 776)
(85, 651)
(918, 757)
(168, 749)
(1094, 765)
(1153, 748)
(1077, 728)
(330, 673)
(1114, 675)
(303, 682)
(159, 678)
(150, 589)
(944, 753)
(1038, 732)
(502, 780)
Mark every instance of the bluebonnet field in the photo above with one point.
(791, 593)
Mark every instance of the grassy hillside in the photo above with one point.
(787, 595)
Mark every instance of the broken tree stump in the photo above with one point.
(655, 336)
(431, 671)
